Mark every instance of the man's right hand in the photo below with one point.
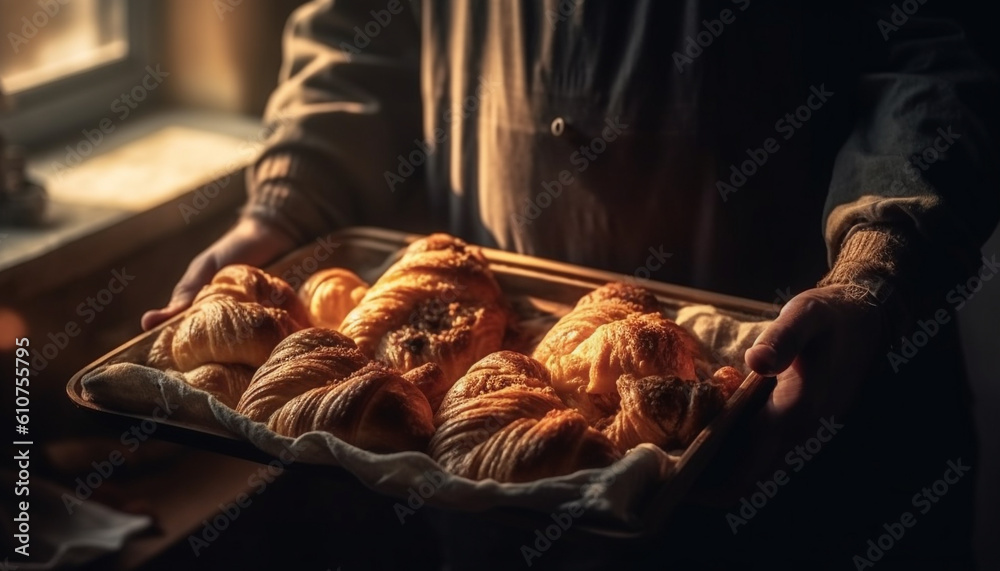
(250, 241)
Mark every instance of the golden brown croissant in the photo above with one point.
(438, 304)
(224, 382)
(303, 361)
(235, 321)
(602, 306)
(221, 331)
(632, 372)
(641, 344)
(665, 411)
(317, 379)
(329, 295)
(245, 283)
(429, 378)
(503, 421)
(161, 353)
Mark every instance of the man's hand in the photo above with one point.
(250, 241)
(821, 347)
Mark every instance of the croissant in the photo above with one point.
(503, 421)
(225, 382)
(667, 411)
(234, 323)
(240, 282)
(303, 361)
(438, 304)
(429, 378)
(317, 379)
(329, 295)
(631, 372)
(230, 332)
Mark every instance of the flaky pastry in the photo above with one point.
(503, 421)
(632, 372)
(438, 304)
(329, 295)
(317, 380)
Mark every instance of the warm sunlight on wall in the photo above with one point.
(229, 51)
(50, 39)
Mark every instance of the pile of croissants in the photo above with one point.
(416, 361)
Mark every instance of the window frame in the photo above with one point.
(46, 112)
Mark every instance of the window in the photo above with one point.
(62, 62)
(48, 41)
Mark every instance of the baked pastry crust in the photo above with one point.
(231, 333)
(503, 421)
(240, 282)
(225, 382)
(631, 372)
(438, 304)
(609, 375)
(234, 322)
(317, 379)
(330, 294)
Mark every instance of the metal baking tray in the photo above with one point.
(369, 252)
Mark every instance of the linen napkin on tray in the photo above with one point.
(610, 496)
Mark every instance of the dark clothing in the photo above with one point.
(757, 142)
(471, 96)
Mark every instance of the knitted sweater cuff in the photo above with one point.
(280, 187)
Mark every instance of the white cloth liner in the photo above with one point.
(611, 496)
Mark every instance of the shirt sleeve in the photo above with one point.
(913, 194)
(347, 104)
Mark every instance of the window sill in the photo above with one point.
(139, 183)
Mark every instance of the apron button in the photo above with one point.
(558, 126)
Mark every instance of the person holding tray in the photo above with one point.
(842, 151)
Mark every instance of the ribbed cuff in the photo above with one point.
(878, 265)
(280, 187)
(872, 258)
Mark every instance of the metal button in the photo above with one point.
(558, 126)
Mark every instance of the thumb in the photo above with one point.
(801, 319)
(198, 274)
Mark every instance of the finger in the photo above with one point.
(250, 241)
(177, 304)
(199, 273)
(801, 319)
(154, 317)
